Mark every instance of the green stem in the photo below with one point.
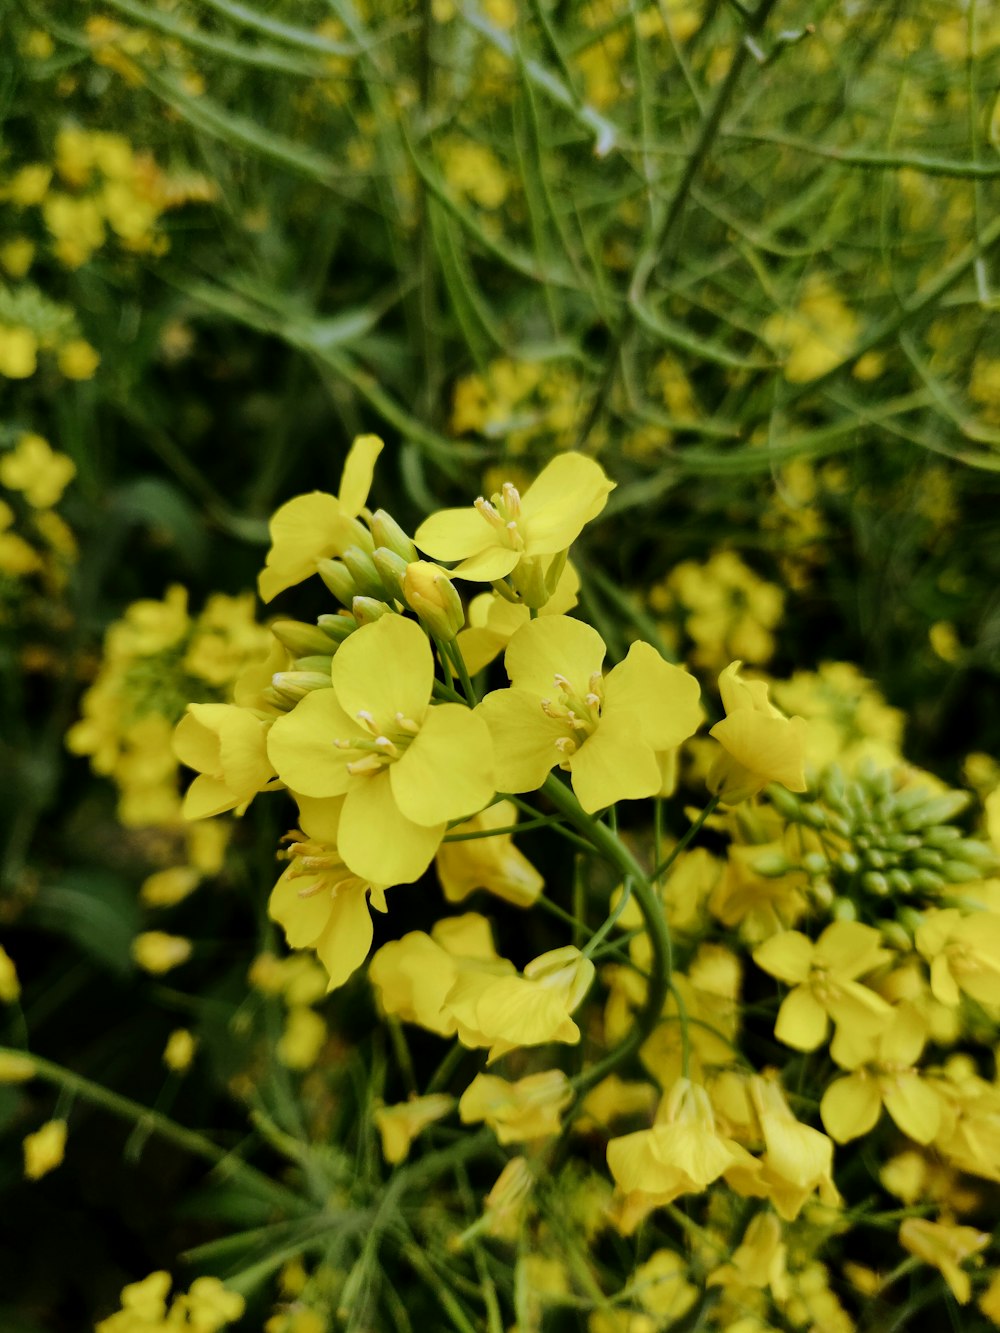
(607, 844)
(188, 1139)
(662, 869)
(462, 672)
(543, 821)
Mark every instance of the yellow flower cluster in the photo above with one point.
(206, 1307)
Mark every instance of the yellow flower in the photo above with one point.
(78, 360)
(44, 1150)
(316, 526)
(210, 1306)
(528, 1010)
(28, 185)
(10, 987)
(155, 951)
(179, 1051)
(16, 255)
(797, 1160)
(400, 1125)
(944, 1246)
(491, 862)
(883, 1075)
(227, 746)
(496, 537)
(404, 768)
(164, 888)
(759, 744)
(318, 902)
(493, 620)
(413, 975)
(758, 1261)
(18, 352)
(606, 730)
(34, 469)
(662, 1288)
(303, 1038)
(964, 954)
(614, 1098)
(823, 976)
(989, 1301)
(517, 1112)
(428, 592)
(144, 1306)
(683, 1153)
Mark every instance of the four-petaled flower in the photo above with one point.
(606, 730)
(759, 744)
(404, 767)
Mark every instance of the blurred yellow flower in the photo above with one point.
(44, 1150)
(400, 1125)
(759, 744)
(489, 862)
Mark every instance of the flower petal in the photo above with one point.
(385, 668)
(455, 534)
(301, 746)
(915, 1106)
(771, 746)
(612, 765)
(447, 773)
(663, 698)
(802, 1021)
(787, 956)
(377, 841)
(553, 645)
(305, 529)
(359, 469)
(850, 1107)
(524, 739)
(345, 942)
(569, 491)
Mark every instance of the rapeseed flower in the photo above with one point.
(404, 767)
(489, 862)
(44, 1150)
(606, 730)
(759, 744)
(36, 470)
(517, 535)
(493, 620)
(314, 527)
(945, 1247)
(883, 1073)
(517, 1112)
(319, 903)
(964, 954)
(399, 1125)
(227, 747)
(823, 975)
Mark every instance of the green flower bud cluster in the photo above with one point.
(882, 845)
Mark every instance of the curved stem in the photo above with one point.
(607, 844)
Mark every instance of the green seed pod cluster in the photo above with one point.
(883, 846)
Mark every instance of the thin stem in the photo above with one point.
(543, 821)
(462, 671)
(607, 844)
(224, 1162)
(662, 869)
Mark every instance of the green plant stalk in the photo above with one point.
(607, 844)
(188, 1139)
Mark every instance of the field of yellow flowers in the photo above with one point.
(500, 655)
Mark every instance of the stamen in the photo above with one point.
(386, 745)
(511, 499)
(407, 724)
(372, 763)
(488, 512)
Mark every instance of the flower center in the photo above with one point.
(579, 713)
(309, 856)
(502, 512)
(377, 746)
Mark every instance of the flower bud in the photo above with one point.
(785, 803)
(900, 882)
(895, 935)
(927, 881)
(367, 610)
(387, 533)
(321, 662)
(844, 910)
(429, 592)
(815, 863)
(875, 882)
(337, 578)
(338, 627)
(299, 638)
(959, 872)
(771, 864)
(361, 568)
(295, 685)
(391, 570)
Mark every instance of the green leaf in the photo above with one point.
(96, 910)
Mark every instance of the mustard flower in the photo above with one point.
(882, 1073)
(964, 954)
(683, 1153)
(157, 952)
(227, 746)
(36, 470)
(759, 744)
(303, 1038)
(528, 1010)
(760, 1259)
(606, 730)
(490, 862)
(662, 1288)
(413, 975)
(314, 527)
(399, 1125)
(319, 903)
(517, 1112)
(179, 1051)
(824, 975)
(493, 620)
(945, 1247)
(44, 1150)
(404, 768)
(797, 1160)
(496, 536)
